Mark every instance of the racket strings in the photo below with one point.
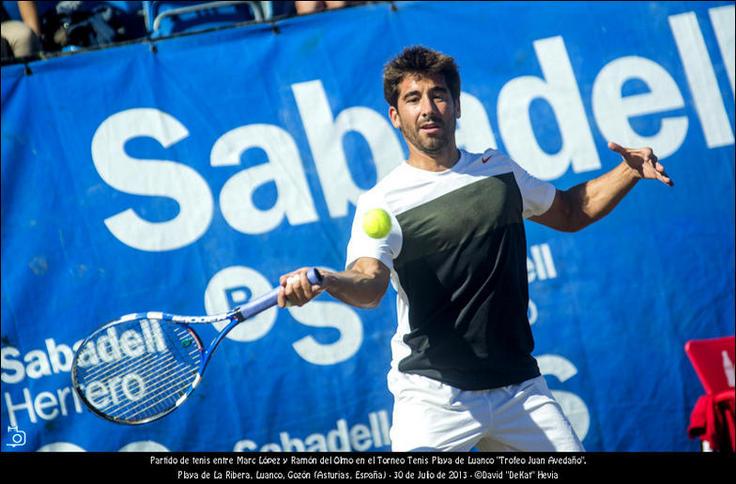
(108, 372)
(173, 384)
(136, 388)
(163, 379)
(143, 368)
(166, 372)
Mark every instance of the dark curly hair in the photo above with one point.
(418, 60)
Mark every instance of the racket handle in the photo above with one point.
(314, 276)
(270, 299)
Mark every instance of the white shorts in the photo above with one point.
(432, 416)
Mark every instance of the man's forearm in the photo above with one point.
(29, 14)
(594, 199)
(355, 288)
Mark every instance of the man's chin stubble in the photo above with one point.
(426, 149)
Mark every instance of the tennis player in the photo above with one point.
(462, 374)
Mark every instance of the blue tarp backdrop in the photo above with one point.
(187, 178)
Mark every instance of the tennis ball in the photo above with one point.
(376, 223)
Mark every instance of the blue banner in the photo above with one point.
(187, 175)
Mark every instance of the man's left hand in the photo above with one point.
(643, 161)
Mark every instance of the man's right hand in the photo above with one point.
(296, 290)
(362, 285)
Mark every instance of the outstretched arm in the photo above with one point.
(588, 202)
(362, 285)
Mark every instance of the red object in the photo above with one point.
(712, 418)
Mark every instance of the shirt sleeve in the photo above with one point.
(362, 245)
(537, 194)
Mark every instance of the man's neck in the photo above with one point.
(434, 162)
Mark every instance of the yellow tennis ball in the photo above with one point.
(376, 223)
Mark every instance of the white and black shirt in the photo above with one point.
(457, 254)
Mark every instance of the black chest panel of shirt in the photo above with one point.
(463, 268)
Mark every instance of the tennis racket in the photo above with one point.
(143, 366)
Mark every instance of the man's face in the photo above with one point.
(426, 113)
